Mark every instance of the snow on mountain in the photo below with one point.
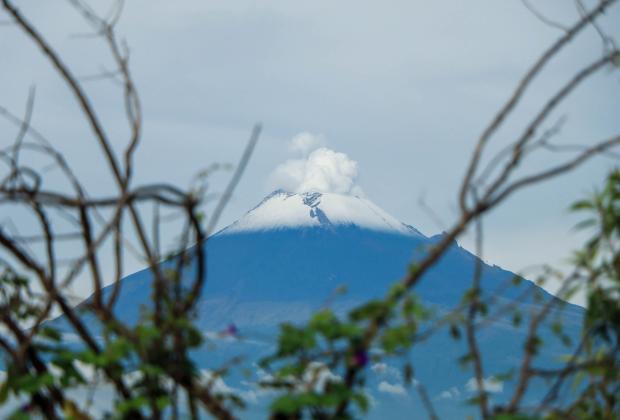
(282, 209)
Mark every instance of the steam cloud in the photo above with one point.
(320, 169)
(304, 142)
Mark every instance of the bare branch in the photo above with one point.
(245, 157)
(517, 94)
(543, 18)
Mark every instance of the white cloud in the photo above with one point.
(216, 384)
(449, 394)
(489, 384)
(304, 142)
(133, 377)
(383, 369)
(254, 391)
(321, 170)
(394, 389)
(379, 368)
(87, 371)
(319, 375)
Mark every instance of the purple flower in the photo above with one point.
(231, 331)
(360, 358)
(27, 408)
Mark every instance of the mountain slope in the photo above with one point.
(287, 257)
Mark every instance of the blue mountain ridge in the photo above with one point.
(257, 279)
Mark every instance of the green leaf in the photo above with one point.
(466, 359)
(162, 402)
(397, 290)
(33, 383)
(19, 415)
(370, 310)
(286, 404)
(503, 377)
(50, 333)
(147, 334)
(326, 323)
(293, 339)
(4, 392)
(362, 401)
(556, 327)
(533, 345)
(132, 404)
(413, 307)
(455, 332)
(582, 205)
(585, 224)
(399, 337)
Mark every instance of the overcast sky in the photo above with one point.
(402, 88)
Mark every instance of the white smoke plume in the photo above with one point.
(319, 170)
(304, 142)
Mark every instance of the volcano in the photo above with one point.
(295, 253)
(292, 253)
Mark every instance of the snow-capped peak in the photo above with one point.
(282, 209)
